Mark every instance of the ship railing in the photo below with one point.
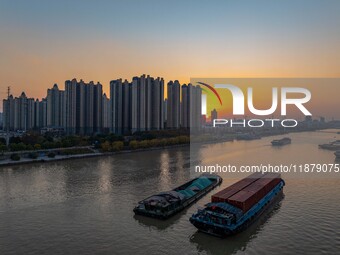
(221, 215)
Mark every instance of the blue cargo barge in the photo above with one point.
(228, 218)
(166, 204)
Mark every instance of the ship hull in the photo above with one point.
(337, 154)
(329, 147)
(182, 206)
(280, 143)
(223, 231)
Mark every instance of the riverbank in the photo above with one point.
(43, 159)
(24, 159)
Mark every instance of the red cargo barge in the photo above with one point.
(237, 206)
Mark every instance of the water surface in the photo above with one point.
(85, 206)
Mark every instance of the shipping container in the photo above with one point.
(255, 188)
(243, 200)
(253, 193)
(223, 195)
(269, 184)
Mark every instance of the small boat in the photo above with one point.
(166, 204)
(235, 208)
(337, 154)
(280, 142)
(333, 146)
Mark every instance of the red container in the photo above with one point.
(270, 181)
(223, 195)
(243, 200)
(258, 189)
(253, 193)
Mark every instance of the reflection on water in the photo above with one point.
(85, 206)
(303, 149)
(233, 243)
(156, 223)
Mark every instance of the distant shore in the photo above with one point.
(97, 153)
(44, 159)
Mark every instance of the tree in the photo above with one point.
(3, 147)
(117, 146)
(17, 146)
(133, 144)
(163, 142)
(37, 146)
(29, 139)
(154, 142)
(173, 140)
(29, 147)
(106, 146)
(144, 144)
(14, 139)
(183, 139)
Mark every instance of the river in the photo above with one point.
(85, 206)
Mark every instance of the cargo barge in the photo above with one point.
(235, 208)
(333, 146)
(166, 204)
(337, 154)
(282, 141)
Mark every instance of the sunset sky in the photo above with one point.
(46, 42)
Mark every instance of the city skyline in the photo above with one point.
(83, 108)
(140, 104)
(176, 40)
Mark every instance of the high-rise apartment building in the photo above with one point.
(55, 107)
(71, 106)
(213, 115)
(165, 111)
(116, 106)
(8, 114)
(98, 120)
(136, 106)
(173, 105)
(191, 106)
(105, 113)
(157, 104)
(43, 113)
(185, 114)
(19, 113)
(83, 107)
(126, 105)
